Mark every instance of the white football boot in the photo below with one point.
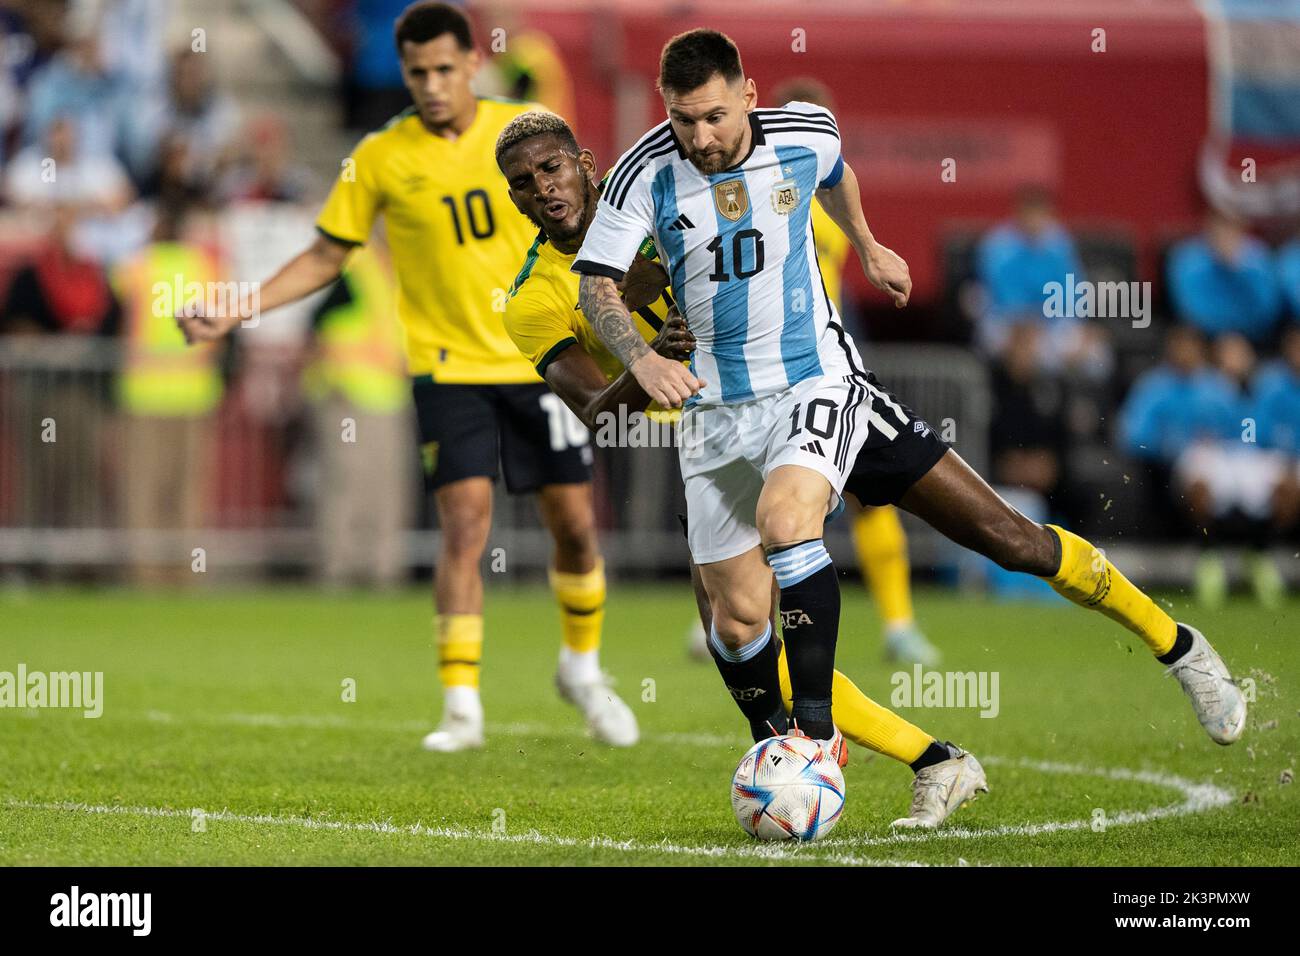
(1216, 698)
(906, 644)
(609, 720)
(462, 722)
(942, 788)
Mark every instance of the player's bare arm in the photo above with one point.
(311, 270)
(577, 379)
(667, 382)
(883, 266)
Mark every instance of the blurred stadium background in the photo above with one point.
(1151, 142)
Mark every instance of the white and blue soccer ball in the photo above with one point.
(787, 788)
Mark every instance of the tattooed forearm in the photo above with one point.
(600, 302)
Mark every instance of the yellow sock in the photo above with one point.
(1089, 580)
(582, 606)
(864, 721)
(460, 648)
(882, 555)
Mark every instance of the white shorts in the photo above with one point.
(727, 451)
(1242, 476)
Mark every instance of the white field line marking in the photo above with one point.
(1197, 798)
(757, 851)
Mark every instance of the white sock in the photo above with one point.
(579, 667)
(462, 701)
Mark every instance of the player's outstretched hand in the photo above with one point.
(667, 382)
(888, 272)
(197, 326)
(675, 341)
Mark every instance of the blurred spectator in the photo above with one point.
(17, 60)
(1277, 398)
(1223, 280)
(266, 170)
(1277, 392)
(64, 171)
(195, 108)
(374, 90)
(173, 180)
(167, 393)
(1197, 422)
(1288, 274)
(1014, 263)
(76, 84)
(62, 302)
(528, 66)
(134, 42)
(1178, 403)
(1028, 432)
(60, 290)
(359, 391)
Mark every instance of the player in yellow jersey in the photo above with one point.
(456, 244)
(553, 182)
(878, 534)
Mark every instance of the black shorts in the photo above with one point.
(886, 467)
(468, 431)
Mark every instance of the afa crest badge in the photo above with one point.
(785, 196)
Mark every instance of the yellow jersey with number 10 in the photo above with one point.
(455, 236)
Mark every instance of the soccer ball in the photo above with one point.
(787, 788)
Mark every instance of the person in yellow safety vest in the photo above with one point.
(360, 393)
(167, 393)
(878, 534)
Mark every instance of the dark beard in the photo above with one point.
(717, 163)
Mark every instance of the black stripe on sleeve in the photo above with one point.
(784, 128)
(553, 353)
(621, 194)
(588, 268)
(339, 239)
(633, 162)
(819, 116)
(651, 319)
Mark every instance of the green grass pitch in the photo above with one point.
(231, 703)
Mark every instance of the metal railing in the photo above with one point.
(65, 470)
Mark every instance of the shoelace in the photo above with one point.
(922, 785)
(1206, 683)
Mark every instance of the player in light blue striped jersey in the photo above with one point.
(777, 399)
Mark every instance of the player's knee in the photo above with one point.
(735, 632)
(575, 535)
(464, 532)
(737, 616)
(786, 520)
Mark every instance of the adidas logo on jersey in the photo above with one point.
(815, 447)
(682, 223)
